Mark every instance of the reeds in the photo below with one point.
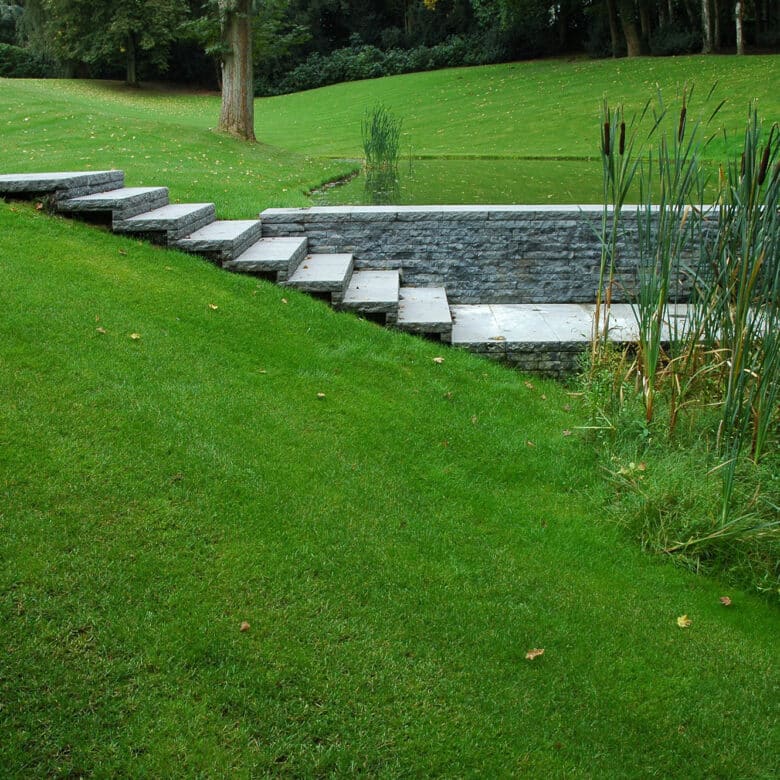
(381, 134)
(721, 349)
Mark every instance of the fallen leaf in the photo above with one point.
(529, 443)
(135, 336)
(244, 626)
(543, 397)
(535, 653)
(122, 251)
(725, 600)
(641, 467)
(213, 306)
(567, 433)
(438, 360)
(684, 621)
(39, 206)
(263, 371)
(498, 338)
(474, 420)
(320, 396)
(448, 395)
(284, 300)
(103, 331)
(530, 385)
(566, 407)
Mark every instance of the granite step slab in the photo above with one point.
(323, 273)
(371, 292)
(280, 256)
(424, 310)
(59, 185)
(169, 222)
(121, 203)
(223, 239)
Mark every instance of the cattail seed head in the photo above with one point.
(742, 165)
(681, 126)
(622, 146)
(765, 158)
(606, 138)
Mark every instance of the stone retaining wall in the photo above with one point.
(481, 254)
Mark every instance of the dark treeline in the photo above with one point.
(307, 43)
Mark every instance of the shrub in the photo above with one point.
(16, 62)
(670, 40)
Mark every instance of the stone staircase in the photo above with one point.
(236, 245)
(537, 337)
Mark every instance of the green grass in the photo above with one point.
(547, 109)
(396, 547)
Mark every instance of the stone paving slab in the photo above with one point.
(124, 203)
(323, 273)
(175, 221)
(271, 255)
(60, 184)
(424, 310)
(535, 327)
(372, 292)
(223, 239)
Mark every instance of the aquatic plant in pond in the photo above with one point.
(381, 135)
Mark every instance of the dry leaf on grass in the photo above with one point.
(321, 396)
(102, 331)
(284, 300)
(123, 252)
(135, 336)
(534, 653)
(684, 621)
(567, 433)
(438, 360)
(244, 626)
(213, 306)
(725, 600)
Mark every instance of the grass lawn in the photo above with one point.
(546, 110)
(396, 547)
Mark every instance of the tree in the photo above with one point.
(706, 23)
(237, 114)
(101, 33)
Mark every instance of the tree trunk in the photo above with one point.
(706, 28)
(614, 31)
(131, 51)
(716, 37)
(645, 23)
(630, 31)
(738, 12)
(237, 116)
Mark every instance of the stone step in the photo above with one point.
(170, 222)
(60, 186)
(222, 240)
(122, 203)
(424, 310)
(371, 292)
(323, 273)
(280, 256)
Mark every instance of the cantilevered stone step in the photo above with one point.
(171, 222)
(424, 310)
(371, 292)
(222, 240)
(63, 185)
(322, 273)
(123, 203)
(270, 255)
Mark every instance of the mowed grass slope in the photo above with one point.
(547, 109)
(396, 547)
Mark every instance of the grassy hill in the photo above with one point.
(540, 119)
(396, 547)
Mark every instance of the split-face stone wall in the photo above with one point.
(480, 254)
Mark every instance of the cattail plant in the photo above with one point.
(619, 166)
(381, 133)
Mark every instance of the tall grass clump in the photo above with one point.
(381, 135)
(704, 374)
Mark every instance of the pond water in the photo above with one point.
(463, 181)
